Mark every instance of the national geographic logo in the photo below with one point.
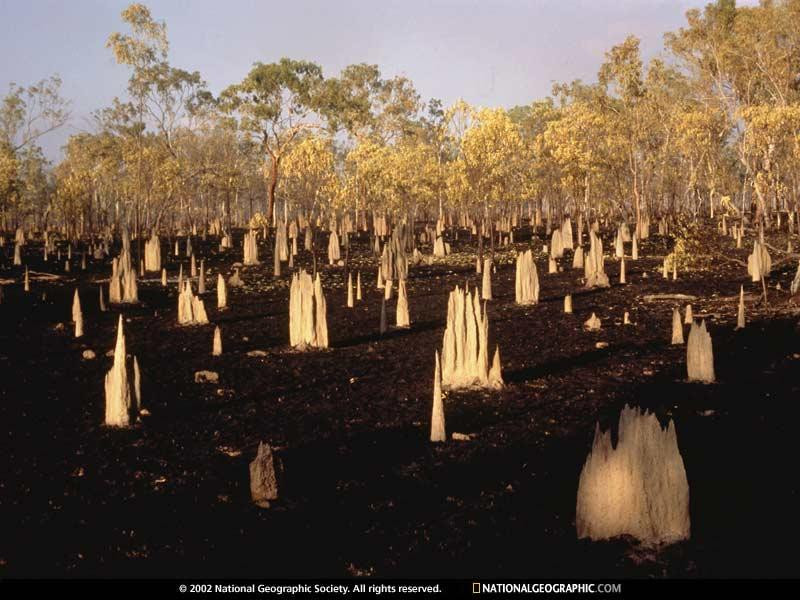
(546, 588)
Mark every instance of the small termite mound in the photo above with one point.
(250, 248)
(216, 348)
(263, 482)
(526, 286)
(740, 321)
(592, 323)
(152, 254)
(700, 354)
(677, 327)
(403, 320)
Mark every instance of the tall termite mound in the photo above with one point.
(566, 234)
(526, 286)
(334, 253)
(577, 258)
(281, 243)
(700, 354)
(191, 310)
(677, 328)
(77, 314)
(556, 244)
(594, 269)
(123, 395)
(740, 320)
(350, 300)
(438, 433)
(465, 349)
(759, 263)
(795, 286)
(308, 325)
(152, 254)
(638, 488)
(486, 283)
(440, 247)
(394, 260)
(122, 288)
(402, 317)
(250, 248)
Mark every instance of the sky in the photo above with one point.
(490, 53)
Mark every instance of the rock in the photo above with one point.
(601, 345)
(256, 353)
(206, 377)
(89, 354)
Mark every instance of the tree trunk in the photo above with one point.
(272, 184)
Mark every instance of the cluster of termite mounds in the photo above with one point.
(122, 288)
(191, 310)
(637, 487)
(465, 347)
(308, 322)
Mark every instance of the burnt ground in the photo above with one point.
(362, 490)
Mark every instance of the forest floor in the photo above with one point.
(362, 490)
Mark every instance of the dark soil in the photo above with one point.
(362, 490)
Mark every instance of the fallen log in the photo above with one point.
(657, 297)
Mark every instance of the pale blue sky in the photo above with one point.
(493, 52)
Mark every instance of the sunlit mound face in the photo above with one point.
(638, 488)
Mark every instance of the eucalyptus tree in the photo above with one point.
(743, 62)
(275, 103)
(488, 163)
(26, 115)
(166, 99)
